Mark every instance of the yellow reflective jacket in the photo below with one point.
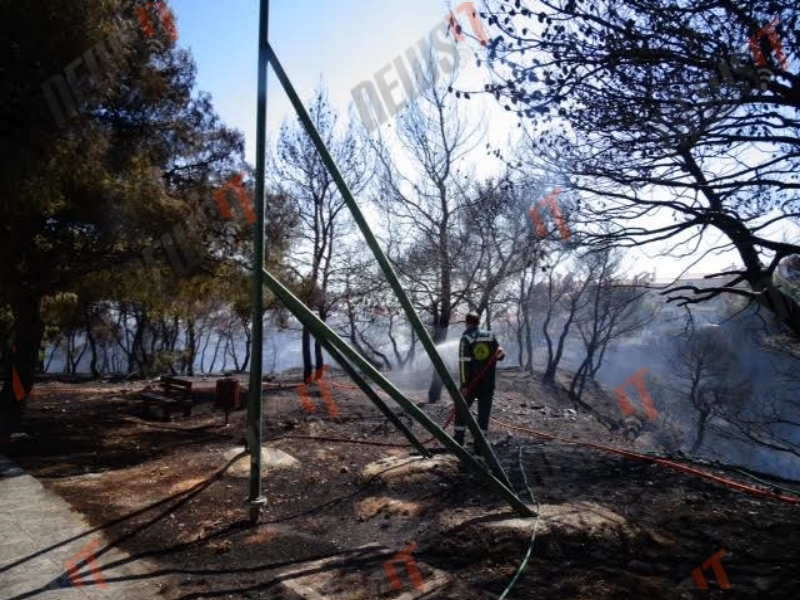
(476, 348)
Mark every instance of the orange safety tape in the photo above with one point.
(661, 461)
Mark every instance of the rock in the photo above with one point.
(343, 470)
(221, 547)
(410, 470)
(375, 505)
(271, 459)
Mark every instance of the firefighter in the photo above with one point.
(478, 353)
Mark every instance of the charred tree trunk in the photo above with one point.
(306, 347)
(702, 427)
(216, 353)
(191, 346)
(232, 343)
(319, 359)
(518, 332)
(528, 342)
(205, 349)
(92, 343)
(440, 329)
(248, 338)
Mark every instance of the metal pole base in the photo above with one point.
(257, 509)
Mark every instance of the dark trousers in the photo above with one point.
(484, 410)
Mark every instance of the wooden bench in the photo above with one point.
(176, 394)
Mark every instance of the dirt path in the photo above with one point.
(610, 527)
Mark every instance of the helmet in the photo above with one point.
(472, 318)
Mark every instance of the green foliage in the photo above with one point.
(86, 198)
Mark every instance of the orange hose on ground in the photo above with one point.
(343, 385)
(449, 420)
(629, 454)
(661, 461)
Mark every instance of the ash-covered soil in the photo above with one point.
(610, 526)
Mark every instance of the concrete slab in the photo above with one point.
(39, 533)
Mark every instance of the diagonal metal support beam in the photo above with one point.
(255, 421)
(430, 348)
(321, 331)
(370, 393)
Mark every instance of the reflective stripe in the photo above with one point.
(462, 354)
(465, 359)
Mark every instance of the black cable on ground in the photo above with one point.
(341, 440)
(360, 490)
(525, 560)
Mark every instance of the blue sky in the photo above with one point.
(338, 42)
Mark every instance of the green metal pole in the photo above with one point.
(386, 267)
(320, 330)
(254, 427)
(370, 393)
